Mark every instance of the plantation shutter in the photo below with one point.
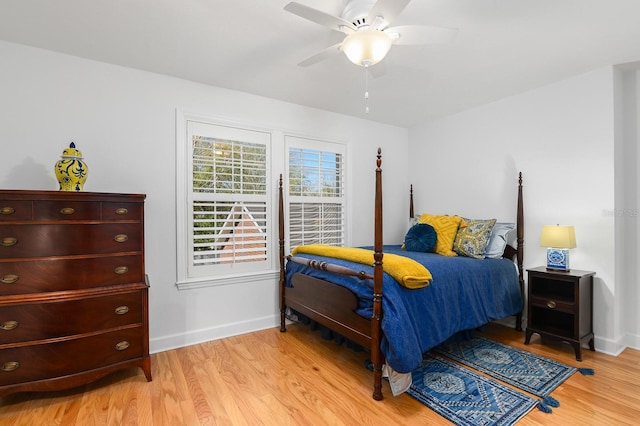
(229, 200)
(315, 193)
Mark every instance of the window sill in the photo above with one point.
(194, 283)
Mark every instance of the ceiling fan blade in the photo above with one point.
(321, 56)
(417, 34)
(388, 9)
(333, 22)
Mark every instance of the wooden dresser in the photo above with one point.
(73, 290)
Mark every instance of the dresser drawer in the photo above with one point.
(44, 361)
(39, 240)
(121, 211)
(60, 274)
(15, 210)
(38, 321)
(66, 210)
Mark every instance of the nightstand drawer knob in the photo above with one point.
(121, 310)
(68, 210)
(9, 241)
(9, 325)
(7, 210)
(10, 366)
(121, 346)
(122, 210)
(551, 304)
(9, 279)
(121, 238)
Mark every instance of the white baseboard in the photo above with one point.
(165, 343)
(632, 341)
(610, 347)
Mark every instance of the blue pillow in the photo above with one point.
(421, 237)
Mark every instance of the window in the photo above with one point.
(227, 216)
(315, 192)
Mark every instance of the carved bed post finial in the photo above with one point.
(411, 215)
(281, 244)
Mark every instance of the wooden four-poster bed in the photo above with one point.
(354, 307)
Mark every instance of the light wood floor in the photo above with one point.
(296, 378)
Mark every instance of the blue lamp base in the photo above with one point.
(558, 259)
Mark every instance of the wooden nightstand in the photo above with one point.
(560, 305)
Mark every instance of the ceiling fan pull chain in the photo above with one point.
(366, 89)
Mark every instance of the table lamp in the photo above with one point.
(558, 240)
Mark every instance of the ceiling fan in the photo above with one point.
(368, 36)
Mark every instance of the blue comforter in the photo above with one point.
(464, 294)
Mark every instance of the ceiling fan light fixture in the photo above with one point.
(366, 47)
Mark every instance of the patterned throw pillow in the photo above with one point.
(446, 228)
(472, 240)
(420, 237)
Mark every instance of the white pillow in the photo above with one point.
(503, 233)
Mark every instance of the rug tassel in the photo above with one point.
(544, 407)
(551, 401)
(586, 371)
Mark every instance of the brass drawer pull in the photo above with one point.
(122, 210)
(551, 304)
(10, 366)
(121, 270)
(9, 325)
(67, 210)
(9, 241)
(7, 210)
(9, 279)
(121, 346)
(121, 310)
(121, 238)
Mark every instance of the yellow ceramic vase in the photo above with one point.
(71, 171)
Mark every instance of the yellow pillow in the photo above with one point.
(446, 227)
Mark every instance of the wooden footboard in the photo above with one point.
(330, 305)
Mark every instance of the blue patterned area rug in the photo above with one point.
(465, 397)
(524, 370)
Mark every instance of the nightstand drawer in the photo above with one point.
(553, 304)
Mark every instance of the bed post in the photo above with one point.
(281, 243)
(376, 320)
(520, 249)
(411, 214)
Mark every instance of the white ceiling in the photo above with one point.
(504, 47)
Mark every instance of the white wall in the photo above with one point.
(627, 208)
(123, 121)
(561, 137)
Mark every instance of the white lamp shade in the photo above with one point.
(557, 236)
(366, 47)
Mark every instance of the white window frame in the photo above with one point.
(296, 141)
(187, 275)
